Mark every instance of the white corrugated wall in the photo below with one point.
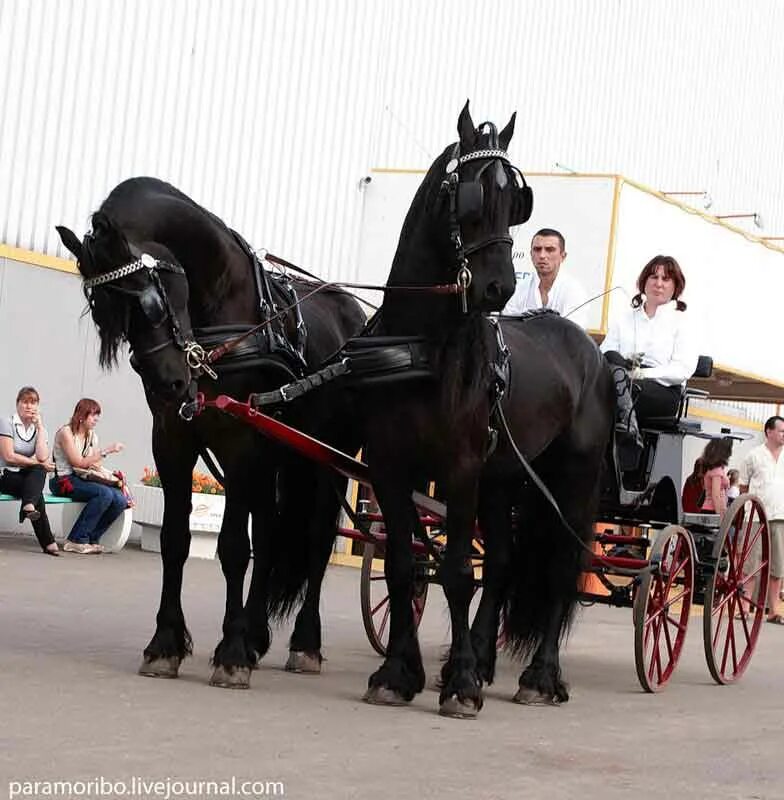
(270, 112)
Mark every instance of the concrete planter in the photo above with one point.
(205, 520)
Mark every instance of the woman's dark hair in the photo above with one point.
(84, 408)
(27, 391)
(672, 269)
(717, 453)
(698, 471)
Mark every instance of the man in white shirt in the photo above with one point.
(762, 473)
(548, 286)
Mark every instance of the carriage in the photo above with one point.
(649, 555)
(207, 324)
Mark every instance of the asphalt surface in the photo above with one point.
(72, 707)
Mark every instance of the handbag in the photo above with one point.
(98, 474)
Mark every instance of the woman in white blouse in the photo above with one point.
(652, 339)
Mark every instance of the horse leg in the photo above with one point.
(305, 645)
(560, 563)
(402, 675)
(264, 529)
(461, 687)
(234, 656)
(495, 524)
(171, 641)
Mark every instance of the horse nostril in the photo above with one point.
(493, 291)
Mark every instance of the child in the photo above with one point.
(733, 476)
(715, 458)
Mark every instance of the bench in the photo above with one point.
(62, 516)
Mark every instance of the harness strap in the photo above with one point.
(364, 359)
(291, 391)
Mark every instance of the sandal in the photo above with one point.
(776, 619)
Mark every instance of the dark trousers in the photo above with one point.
(28, 485)
(656, 400)
(651, 399)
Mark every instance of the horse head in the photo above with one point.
(137, 294)
(457, 230)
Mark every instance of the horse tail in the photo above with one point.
(545, 565)
(299, 554)
(289, 574)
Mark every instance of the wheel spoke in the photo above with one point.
(667, 639)
(719, 613)
(676, 623)
(381, 603)
(383, 624)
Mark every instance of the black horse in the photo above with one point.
(197, 281)
(559, 406)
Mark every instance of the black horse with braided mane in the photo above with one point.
(168, 277)
(534, 388)
(539, 382)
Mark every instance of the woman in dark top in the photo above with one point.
(24, 461)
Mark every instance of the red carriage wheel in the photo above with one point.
(374, 600)
(736, 593)
(661, 607)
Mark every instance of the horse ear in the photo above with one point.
(70, 240)
(465, 128)
(506, 134)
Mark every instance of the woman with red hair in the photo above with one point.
(76, 448)
(650, 344)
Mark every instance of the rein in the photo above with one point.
(437, 289)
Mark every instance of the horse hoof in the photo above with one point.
(458, 709)
(303, 663)
(238, 678)
(381, 696)
(160, 667)
(533, 697)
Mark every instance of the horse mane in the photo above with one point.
(209, 239)
(111, 311)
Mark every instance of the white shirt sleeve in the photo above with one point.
(746, 470)
(613, 339)
(517, 302)
(684, 356)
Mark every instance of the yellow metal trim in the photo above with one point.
(765, 242)
(38, 259)
(707, 217)
(393, 171)
(718, 416)
(749, 375)
(610, 264)
(606, 175)
(401, 171)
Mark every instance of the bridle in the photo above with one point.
(466, 199)
(157, 307)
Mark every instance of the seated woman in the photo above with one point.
(715, 482)
(651, 346)
(76, 447)
(693, 488)
(24, 460)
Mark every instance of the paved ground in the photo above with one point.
(72, 707)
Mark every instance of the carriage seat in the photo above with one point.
(679, 423)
